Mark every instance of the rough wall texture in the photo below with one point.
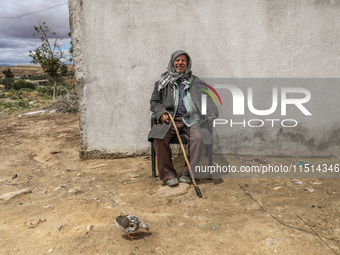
(122, 47)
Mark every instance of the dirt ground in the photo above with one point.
(69, 194)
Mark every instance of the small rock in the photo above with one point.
(13, 194)
(78, 192)
(89, 227)
(60, 187)
(74, 190)
(47, 206)
(276, 188)
(61, 226)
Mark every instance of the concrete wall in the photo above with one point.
(122, 47)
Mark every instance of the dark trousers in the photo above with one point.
(163, 151)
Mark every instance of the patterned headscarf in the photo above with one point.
(171, 76)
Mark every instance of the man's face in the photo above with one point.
(180, 63)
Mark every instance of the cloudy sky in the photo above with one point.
(17, 18)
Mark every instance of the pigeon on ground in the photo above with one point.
(130, 224)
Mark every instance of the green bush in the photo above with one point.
(4, 105)
(7, 82)
(23, 104)
(61, 90)
(22, 84)
(44, 90)
(14, 106)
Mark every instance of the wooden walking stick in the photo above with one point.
(197, 189)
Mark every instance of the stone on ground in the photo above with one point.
(13, 194)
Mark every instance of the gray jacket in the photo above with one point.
(163, 101)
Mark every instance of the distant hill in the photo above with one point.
(4, 64)
(27, 70)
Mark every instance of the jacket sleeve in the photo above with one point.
(156, 103)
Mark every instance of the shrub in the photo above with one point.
(23, 104)
(45, 90)
(7, 82)
(61, 90)
(4, 105)
(22, 84)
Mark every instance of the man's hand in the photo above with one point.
(164, 118)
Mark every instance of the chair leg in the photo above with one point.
(153, 160)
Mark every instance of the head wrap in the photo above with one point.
(171, 76)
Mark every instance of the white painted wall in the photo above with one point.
(122, 47)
